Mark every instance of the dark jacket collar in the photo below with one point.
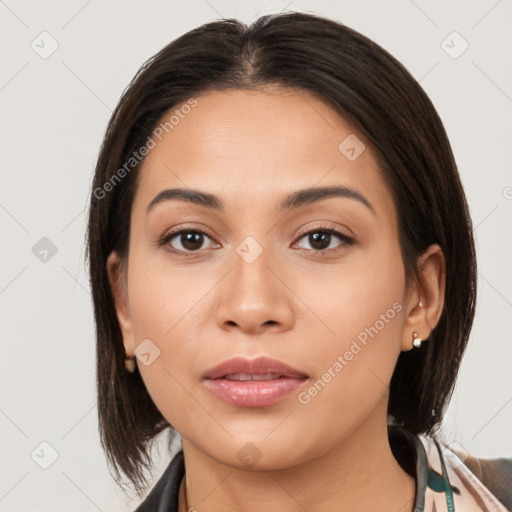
(164, 495)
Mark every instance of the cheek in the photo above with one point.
(362, 292)
(168, 321)
(358, 340)
(164, 297)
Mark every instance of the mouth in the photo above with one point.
(258, 382)
(243, 377)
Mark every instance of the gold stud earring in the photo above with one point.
(129, 364)
(416, 342)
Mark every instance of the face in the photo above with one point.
(316, 283)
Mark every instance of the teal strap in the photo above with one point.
(447, 486)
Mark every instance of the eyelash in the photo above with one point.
(347, 240)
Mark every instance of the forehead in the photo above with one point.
(257, 146)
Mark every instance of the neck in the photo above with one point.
(359, 473)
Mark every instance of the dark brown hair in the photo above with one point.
(383, 102)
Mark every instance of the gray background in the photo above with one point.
(54, 112)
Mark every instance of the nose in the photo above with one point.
(254, 297)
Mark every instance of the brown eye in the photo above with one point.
(320, 239)
(191, 240)
(185, 240)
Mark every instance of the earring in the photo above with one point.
(129, 364)
(416, 342)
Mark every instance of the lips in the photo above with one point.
(257, 382)
(253, 367)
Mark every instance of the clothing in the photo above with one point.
(424, 457)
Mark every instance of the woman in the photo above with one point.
(284, 273)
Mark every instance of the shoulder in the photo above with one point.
(476, 482)
(495, 474)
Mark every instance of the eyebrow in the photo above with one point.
(293, 201)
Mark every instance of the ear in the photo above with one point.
(117, 275)
(426, 297)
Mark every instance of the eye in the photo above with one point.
(188, 241)
(321, 239)
(184, 240)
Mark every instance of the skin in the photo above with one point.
(253, 148)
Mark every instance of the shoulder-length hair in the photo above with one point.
(371, 90)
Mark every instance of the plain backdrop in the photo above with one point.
(57, 91)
